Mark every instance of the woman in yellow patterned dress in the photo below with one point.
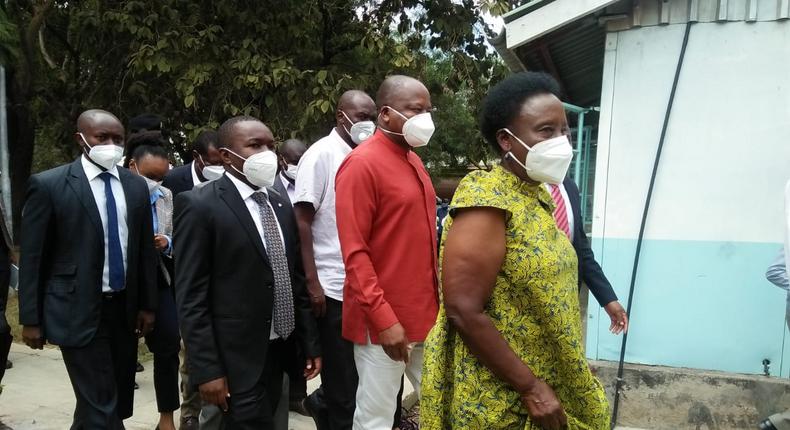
(506, 351)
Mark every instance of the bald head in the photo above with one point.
(293, 148)
(91, 117)
(398, 85)
(98, 127)
(354, 106)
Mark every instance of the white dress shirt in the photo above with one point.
(195, 180)
(92, 172)
(568, 207)
(315, 184)
(289, 187)
(246, 195)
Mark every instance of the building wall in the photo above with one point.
(716, 217)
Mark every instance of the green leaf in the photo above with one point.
(189, 100)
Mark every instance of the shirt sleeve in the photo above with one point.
(311, 179)
(777, 272)
(356, 202)
(478, 190)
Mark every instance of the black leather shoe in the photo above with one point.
(140, 367)
(189, 423)
(317, 411)
(136, 387)
(8, 364)
(766, 425)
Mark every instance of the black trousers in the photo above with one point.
(254, 409)
(5, 347)
(102, 372)
(293, 363)
(339, 375)
(165, 343)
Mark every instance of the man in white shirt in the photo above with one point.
(323, 261)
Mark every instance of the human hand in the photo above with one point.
(618, 316)
(317, 298)
(395, 343)
(215, 392)
(544, 407)
(160, 242)
(31, 334)
(145, 323)
(312, 368)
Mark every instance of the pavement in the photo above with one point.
(37, 395)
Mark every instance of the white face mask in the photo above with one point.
(290, 172)
(260, 169)
(360, 131)
(106, 156)
(152, 185)
(547, 161)
(211, 173)
(417, 130)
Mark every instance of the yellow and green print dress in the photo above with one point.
(534, 305)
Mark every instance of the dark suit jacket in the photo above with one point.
(6, 247)
(62, 255)
(224, 284)
(179, 179)
(280, 188)
(589, 270)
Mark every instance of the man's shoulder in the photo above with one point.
(54, 174)
(180, 171)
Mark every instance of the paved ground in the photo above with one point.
(37, 395)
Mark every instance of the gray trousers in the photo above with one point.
(211, 416)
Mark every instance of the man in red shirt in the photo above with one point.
(386, 222)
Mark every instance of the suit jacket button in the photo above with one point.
(268, 321)
(269, 286)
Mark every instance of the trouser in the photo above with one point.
(379, 382)
(102, 372)
(164, 342)
(281, 413)
(339, 374)
(252, 409)
(294, 362)
(781, 420)
(191, 402)
(5, 347)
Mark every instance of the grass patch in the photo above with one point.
(12, 315)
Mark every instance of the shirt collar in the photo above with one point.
(391, 145)
(156, 195)
(92, 170)
(339, 142)
(286, 183)
(195, 179)
(244, 190)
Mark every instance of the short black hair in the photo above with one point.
(224, 132)
(505, 99)
(204, 140)
(145, 122)
(145, 143)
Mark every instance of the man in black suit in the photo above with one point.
(239, 280)
(288, 156)
(589, 270)
(87, 272)
(206, 165)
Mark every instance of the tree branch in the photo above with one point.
(42, 47)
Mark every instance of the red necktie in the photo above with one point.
(560, 212)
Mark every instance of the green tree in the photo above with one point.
(200, 62)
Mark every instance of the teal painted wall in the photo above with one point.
(697, 304)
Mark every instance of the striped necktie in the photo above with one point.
(560, 212)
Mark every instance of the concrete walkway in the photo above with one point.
(37, 395)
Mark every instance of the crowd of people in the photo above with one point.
(272, 264)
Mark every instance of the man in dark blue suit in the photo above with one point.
(568, 199)
(87, 272)
(206, 165)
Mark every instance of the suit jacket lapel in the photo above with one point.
(281, 214)
(230, 195)
(79, 184)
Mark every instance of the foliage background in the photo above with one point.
(197, 63)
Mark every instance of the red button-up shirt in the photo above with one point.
(386, 221)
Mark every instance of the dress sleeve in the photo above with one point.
(479, 189)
